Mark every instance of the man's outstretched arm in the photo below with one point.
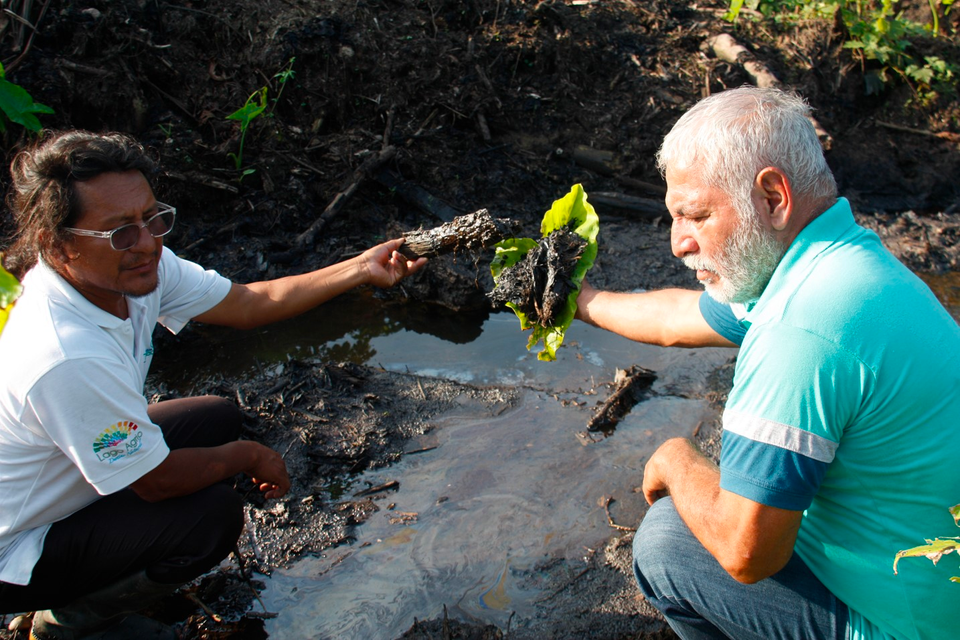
(669, 317)
(252, 305)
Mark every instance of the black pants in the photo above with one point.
(174, 540)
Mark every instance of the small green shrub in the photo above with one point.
(877, 32)
(253, 108)
(250, 111)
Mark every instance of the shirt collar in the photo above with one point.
(821, 233)
(50, 283)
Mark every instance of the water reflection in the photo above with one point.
(342, 330)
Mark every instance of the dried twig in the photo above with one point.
(942, 135)
(606, 500)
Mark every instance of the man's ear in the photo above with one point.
(774, 189)
(59, 252)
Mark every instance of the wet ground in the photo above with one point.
(498, 498)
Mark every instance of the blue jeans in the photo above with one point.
(699, 599)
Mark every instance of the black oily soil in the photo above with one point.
(540, 283)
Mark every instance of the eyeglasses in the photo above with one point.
(126, 236)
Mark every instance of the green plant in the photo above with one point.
(576, 214)
(250, 111)
(10, 290)
(16, 105)
(253, 108)
(935, 549)
(283, 76)
(877, 32)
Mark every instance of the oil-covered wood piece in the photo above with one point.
(632, 385)
(472, 232)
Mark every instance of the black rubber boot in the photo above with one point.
(106, 614)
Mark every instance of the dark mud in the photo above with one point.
(489, 104)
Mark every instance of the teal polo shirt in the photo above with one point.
(846, 405)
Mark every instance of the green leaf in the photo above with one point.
(10, 290)
(574, 212)
(955, 512)
(252, 108)
(19, 107)
(933, 550)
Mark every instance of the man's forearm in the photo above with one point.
(669, 317)
(750, 540)
(185, 471)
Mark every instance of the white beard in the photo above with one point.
(744, 264)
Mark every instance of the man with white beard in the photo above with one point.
(840, 433)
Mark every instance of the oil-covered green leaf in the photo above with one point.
(572, 212)
(508, 253)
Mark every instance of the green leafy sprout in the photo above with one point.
(572, 211)
(10, 290)
(935, 549)
(253, 108)
(283, 76)
(250, 111)
(17, 106)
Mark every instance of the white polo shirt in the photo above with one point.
(73, 418)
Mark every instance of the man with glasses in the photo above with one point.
(107, 503)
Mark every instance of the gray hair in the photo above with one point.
(730, 136)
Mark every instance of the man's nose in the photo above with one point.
(682, 243)
(145, 241)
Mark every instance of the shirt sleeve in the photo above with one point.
(793, 395)
(188, 290)
(721, 319)
(99, 422)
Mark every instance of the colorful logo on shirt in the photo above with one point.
(118, 441)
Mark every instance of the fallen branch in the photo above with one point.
(631, 385)
(473, 231)
(726, 48)
(417, 196)
(942, 135)
(605, 163)
(645, 207)
(205, 180)
(339, 201)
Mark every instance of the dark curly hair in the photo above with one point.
(43, 197)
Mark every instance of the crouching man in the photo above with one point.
(841, 434)
(107, 504)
